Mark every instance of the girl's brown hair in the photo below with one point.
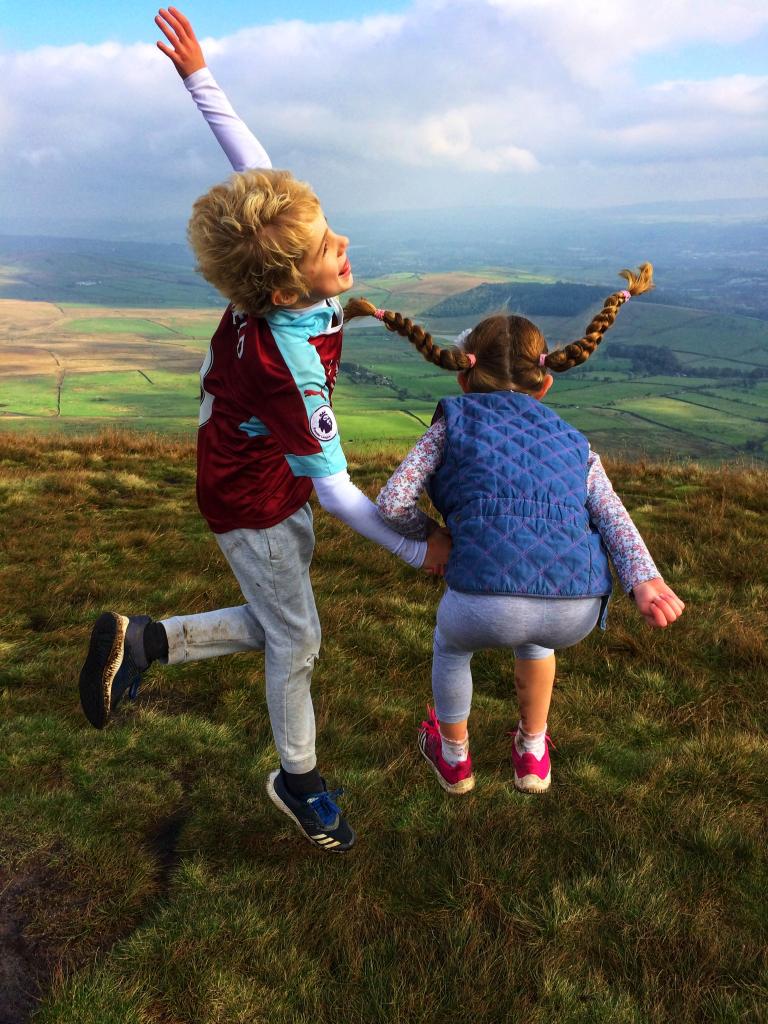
(508, 350)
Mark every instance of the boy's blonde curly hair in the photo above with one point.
(249, 235)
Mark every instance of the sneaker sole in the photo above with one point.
(532, 783)
(455, 788)
(274, 797)
(105, 655)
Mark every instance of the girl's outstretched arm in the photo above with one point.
(242, 148)
(656, 602)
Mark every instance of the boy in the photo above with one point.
(267, 436)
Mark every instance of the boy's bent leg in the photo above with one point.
(122, 647)
(212, 634)
(272, 568)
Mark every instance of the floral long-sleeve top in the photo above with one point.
(398, 499)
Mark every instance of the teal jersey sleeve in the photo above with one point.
(312, 448)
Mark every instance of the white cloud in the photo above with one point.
(737, 95)
(451, 138)
(592, 36)
(690, 118)
(452, 102)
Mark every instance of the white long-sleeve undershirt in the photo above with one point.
(242, 148)
(342, 499)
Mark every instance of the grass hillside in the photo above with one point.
(146, 879)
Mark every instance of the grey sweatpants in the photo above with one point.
(280, 618)
(532, 626)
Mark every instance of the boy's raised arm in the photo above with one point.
(242, 148)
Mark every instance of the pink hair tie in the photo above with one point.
(379, 314)
(543, 359)
(627, 295)
(472, 359)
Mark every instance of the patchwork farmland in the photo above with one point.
(77, 369)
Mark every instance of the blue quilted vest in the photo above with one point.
(512, 489)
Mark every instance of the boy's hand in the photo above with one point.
(657, 603)
(431, 525)
(438, 551)
(184, 51)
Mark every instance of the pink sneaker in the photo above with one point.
(532, 774)
(453, 778)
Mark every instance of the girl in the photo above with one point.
(531, 513)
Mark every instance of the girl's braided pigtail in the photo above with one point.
(448, 358)
(579, 351)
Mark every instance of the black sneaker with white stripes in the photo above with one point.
(113, 666)
(318, 817)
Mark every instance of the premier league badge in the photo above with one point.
(322, 424)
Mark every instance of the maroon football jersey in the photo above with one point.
(266, 423)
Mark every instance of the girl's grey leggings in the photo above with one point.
(532, 626)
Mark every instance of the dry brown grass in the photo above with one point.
(35, 339)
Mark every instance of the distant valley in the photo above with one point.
(103, 334)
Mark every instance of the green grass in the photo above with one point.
(86, 397)
(33, 396)
(709, 423)
(201, 330)
(394, 425)
(148, 880)
(131, 396)
(120, 325)
(165, 327)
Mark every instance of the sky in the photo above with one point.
(383, 105)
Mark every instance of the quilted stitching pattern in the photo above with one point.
(512, 488)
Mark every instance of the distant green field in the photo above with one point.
(203, 329)
(105, 396)
(718, 427)
(33, 397)
(707, 418)
(131, 395)
(709, 398)
(372, 426)
(120, 325)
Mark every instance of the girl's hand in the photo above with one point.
(438, 551)
(657, 603)
(184, 51)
